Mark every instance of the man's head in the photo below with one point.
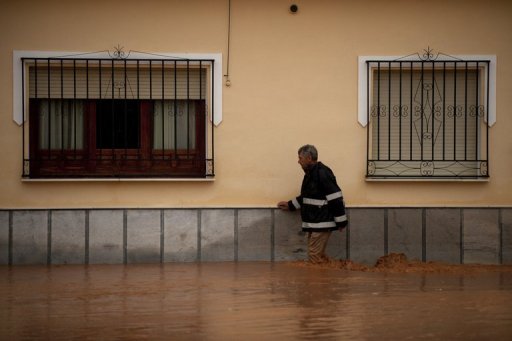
(308, 156)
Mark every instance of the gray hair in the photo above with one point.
(310, 150)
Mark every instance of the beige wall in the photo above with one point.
(294, 81)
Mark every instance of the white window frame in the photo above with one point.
(364, 88)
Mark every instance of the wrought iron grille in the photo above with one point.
(428, 119)
(118, 117)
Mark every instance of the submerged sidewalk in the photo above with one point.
(251, 301)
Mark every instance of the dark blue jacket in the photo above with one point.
(320, 201)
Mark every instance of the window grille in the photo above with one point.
(118, 118)
(428, 119)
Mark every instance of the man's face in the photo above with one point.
(305, 161)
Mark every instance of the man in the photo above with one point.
(320, 201)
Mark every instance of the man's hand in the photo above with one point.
(283, 205)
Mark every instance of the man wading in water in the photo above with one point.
(320, 202)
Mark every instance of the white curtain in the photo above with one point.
(174, 125)
(61, 124)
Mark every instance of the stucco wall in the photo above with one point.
(293, 81)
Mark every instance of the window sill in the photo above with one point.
(121, 180)
(430, 179)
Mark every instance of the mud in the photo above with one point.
(395, 300)
(398, 263)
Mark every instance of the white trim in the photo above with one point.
(334, 196)
(319, 225)
(340, 219)
(363, 93)
(315, 202)
(296, 204)
(17, 81)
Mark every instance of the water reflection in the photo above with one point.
(224, 301)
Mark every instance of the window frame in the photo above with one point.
(23, 109)
(366, 84)
(96, 161)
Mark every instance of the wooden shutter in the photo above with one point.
(117, 79)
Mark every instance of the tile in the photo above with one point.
(254, 235)
(30, 237)
(143, 236)
(180, 235)
(481, 236)
(337, 245)
(405, 232)
(443, 239)
(290, 243)
(366, 235)
(106, 237)
(4, 237)
(217, 235)
(506, 242)
(68, 237)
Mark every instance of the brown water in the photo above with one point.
(250, 301)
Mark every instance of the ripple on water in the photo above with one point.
(253, 300)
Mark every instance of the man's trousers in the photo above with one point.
(317, 242)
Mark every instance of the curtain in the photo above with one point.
(61, 124)
(174, 125)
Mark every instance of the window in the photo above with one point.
(427, 118)
(90, 118)
(118, 124)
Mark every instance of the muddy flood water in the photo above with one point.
(252, 301)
